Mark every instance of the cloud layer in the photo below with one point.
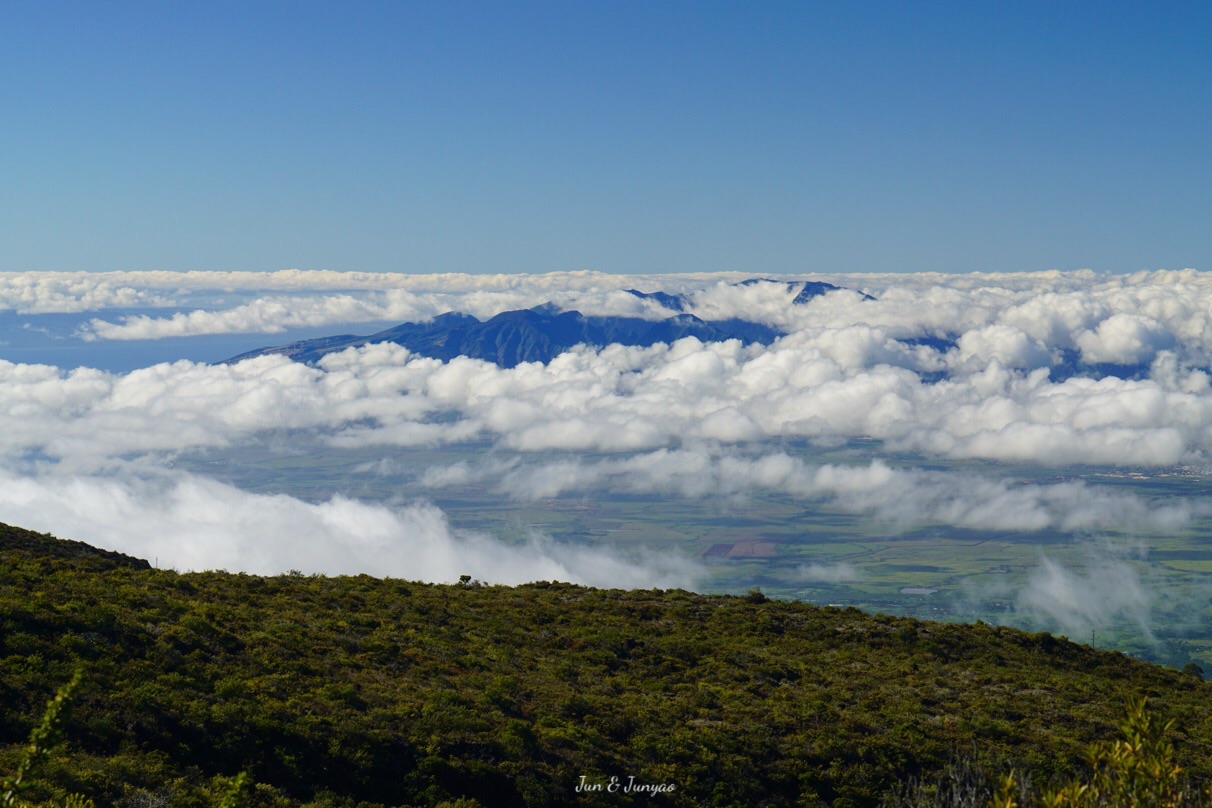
(1042, 369)
(1004, 367)
(809, 385)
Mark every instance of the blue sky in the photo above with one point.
(618, 136)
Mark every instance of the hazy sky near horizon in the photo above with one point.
(629, 137)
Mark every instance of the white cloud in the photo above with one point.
(900, 498)
(839, 573)
(269, 302)
(1107, 590)
(1125, 339)
(44, 292)
(192, 523)
(268, 315)
(1008, 345)
(818, 385)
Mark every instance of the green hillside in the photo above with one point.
(357, 691)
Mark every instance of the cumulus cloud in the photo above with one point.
(1008, 345)
(45, 292)
(1125, 339)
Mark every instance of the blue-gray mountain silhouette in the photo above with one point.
(527, 335)
(544, 332)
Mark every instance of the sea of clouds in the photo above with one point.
(955, 367)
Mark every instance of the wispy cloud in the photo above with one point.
(839, 573)
(896, 497)
(1108, 589)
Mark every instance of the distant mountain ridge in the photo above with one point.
(544, 332)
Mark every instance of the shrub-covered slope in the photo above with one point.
(360, 691)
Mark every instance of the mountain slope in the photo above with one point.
(527, 335)
(360, 691)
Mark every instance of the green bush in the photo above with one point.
(45, 736)
(41, 740)
(1135, 771)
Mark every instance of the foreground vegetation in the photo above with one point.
(366, 692)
